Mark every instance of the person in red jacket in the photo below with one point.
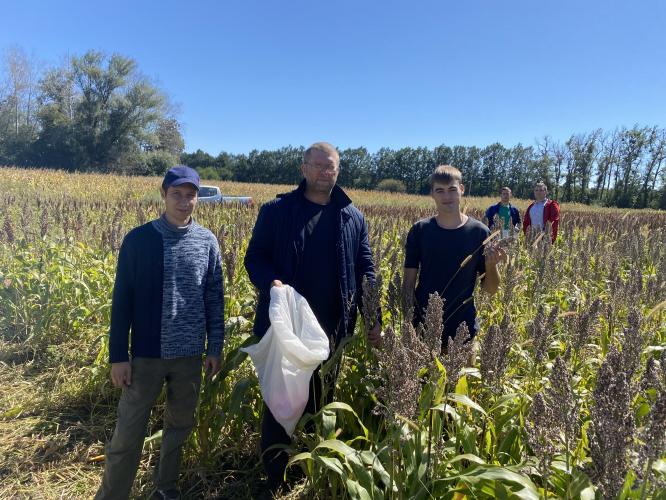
(542, 212)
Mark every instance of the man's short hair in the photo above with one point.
(445, 174)
(324, 147)
(505, 187)
(541, 183)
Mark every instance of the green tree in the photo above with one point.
(583, 153)
(521, 164)
(627, 179)
(18, 102)
(609, 144)
(168, 137)
(391, 185)
(494, 161)
(198, 159)
(655, 158)
(385, 165)
(472, 168)
(442, 155)
(98, 113)
(355, 168)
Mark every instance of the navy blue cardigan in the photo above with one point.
(493, 210)
(167, 325)
(276, 247)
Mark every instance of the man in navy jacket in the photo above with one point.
(315, 240)
(507, 214)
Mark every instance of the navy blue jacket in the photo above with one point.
(276, 247)
(493, 210)
(168, 293)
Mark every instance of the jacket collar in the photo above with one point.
(338, 196)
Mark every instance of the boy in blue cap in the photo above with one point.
(168, 297)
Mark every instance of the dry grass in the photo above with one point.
(45, 443)
(56, 183)
(51, 429)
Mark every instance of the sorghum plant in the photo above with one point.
(612, 425)
(540, 330)
(372, 294)
(560, 396)
(654, 440)
(632, 345)
(433, 325)
(581, 327)
(399, 386)
(542, 433)
(494, 353)
(457, 354)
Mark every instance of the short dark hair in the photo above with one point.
(445, 174)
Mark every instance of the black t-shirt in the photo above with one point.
(438, 253)
(316, 276)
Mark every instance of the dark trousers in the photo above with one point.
(272, 433)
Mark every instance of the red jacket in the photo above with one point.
(551, 213)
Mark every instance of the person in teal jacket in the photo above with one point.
(507, 214)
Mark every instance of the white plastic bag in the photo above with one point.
(287, 354)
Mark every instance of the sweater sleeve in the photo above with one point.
(214, 300)
(121, 306)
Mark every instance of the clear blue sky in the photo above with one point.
(264, 74)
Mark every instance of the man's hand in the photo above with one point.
(375, 335)
(276, 283)
(211, 366)
(494, 254)
(121, 374)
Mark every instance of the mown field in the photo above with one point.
(566, 398)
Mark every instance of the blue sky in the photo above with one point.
(258, 74)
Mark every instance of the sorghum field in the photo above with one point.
(566, 397)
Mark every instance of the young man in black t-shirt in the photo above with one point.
(446, 252)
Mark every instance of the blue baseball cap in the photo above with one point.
(180, 174)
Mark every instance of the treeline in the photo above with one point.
(98, 113)
(623, 168)
(90, 113)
